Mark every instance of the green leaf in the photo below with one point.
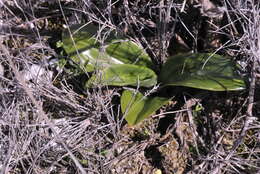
(137, 107)
(98, 60)
(78, 38)
(81, 45)
(129, 53)
(123, 75)
(203, 71)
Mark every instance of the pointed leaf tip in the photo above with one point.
(203, 71)
(137, 107)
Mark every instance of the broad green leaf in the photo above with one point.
(203, 71)
(79, 38)
(98, 60)
(137, 107)
(81, 45)
(123, 75)
(129, 53)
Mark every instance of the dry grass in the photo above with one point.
(54, 125)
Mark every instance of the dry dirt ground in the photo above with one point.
(49, 123)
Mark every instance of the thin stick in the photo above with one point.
(171, 112)
(37, 104)
(183, 5)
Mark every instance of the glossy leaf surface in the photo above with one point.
(123, 75)
(129, 53)
(137, 107)
(77, 39)
(203, 71)
(81, 45)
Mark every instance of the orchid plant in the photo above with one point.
(118, 61)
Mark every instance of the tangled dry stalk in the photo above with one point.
(50, 124)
